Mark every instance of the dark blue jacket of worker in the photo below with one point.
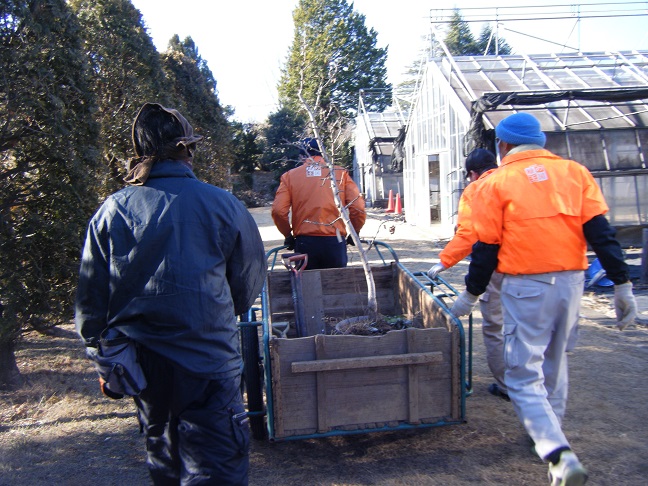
(171, 264)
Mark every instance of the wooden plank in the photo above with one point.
(413, 381)
(275, 360)
(280, 300)
(322, 387)
(339, 293)
(313, 305)
(295, 397)
(353, 280)
(367, 397)
(366, 362)
(407, 299)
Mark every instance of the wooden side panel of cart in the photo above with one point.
(327, 383)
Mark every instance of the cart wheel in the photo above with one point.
(252, 378)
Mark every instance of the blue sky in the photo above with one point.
(245, 42)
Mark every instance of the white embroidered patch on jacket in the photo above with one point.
(313, 170)
(536, 173)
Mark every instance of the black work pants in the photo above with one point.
(322, 251)
(197, 431)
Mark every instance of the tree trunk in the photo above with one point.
(9, 373)
(372, 303)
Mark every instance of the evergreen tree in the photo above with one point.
(194, 89)
(333, 56)
(126, 72)
(247, 149)
(459, 39)
(48, 162)
(281, 134)
(490, 44)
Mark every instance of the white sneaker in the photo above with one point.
(568, 472)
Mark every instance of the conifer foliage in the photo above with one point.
(126, 73)
(332, 57)
(48, 157)
(460, 40)
(193, 89)
(73, 76)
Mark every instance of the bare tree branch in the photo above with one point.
(372, 303)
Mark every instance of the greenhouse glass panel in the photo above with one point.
(643, 142)
(557, 144)
(576, 62)
(625, 77)
(622, 197)
(504, 81)
(593, 78)
(587, 148)
(572, 116)
(622, 149)
(533, 81)
(637, 113)
(610, 117)
(479, 83)
(488, 64)
(546, 63)
(565, 80)
(599, 58)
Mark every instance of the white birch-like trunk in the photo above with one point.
(372, 303)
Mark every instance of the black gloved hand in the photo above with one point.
(289, 242)
(350, 240)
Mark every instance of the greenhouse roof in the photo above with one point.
(383, 129)
(586, 91)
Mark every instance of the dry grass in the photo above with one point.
(58, 429)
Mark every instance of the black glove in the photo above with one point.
(289, 242)
(350, 240)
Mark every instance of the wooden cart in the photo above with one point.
(326, 384)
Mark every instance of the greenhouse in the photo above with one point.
(378, 162)
(593, 108)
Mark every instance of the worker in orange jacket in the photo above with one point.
(535, 217)
(480, 163)
(315, 226)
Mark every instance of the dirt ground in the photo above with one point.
(58, 429)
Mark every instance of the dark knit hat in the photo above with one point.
(309, 147)
(480, 160)
(520, 129)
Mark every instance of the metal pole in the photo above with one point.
(644, 256)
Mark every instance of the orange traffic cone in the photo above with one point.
(390, 204)
(399, 207)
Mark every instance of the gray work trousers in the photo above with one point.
(490, 305)
(540, 325)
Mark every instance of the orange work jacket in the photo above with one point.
(534, 206)
(306, 190)
(460, 246)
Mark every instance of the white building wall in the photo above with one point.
(436, 128)
(363, 173)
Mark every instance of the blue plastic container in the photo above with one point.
(596, 275)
